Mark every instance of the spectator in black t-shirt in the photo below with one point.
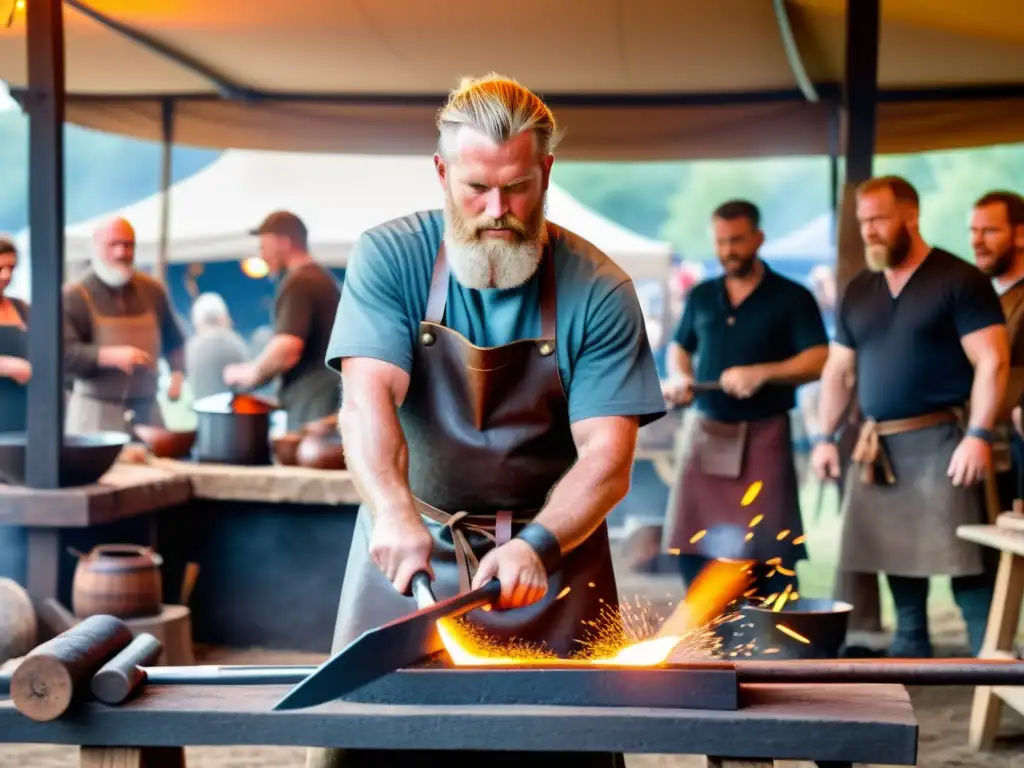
(921, 332)
(304, 310)
(756, 336)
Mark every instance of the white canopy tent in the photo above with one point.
(338, 197)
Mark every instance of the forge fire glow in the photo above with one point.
(624, 637)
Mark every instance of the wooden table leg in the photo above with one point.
(999, 636)
(132, 757)
(42, 579)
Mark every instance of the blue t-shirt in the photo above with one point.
(604, 356)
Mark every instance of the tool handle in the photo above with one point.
(421, 590)
(123, 674)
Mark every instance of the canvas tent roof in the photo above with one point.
(624, 83)
(813, 240)
(338, 197)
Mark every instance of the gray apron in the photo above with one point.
(908, 527)
(99, 403)
(716, 465)
(488, 435)
(13, 396)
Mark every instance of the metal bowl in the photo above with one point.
(84, 458)
(820, 621)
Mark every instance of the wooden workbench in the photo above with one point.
(270, 484)
(1001, 631)
(831, 725)
(127, 491)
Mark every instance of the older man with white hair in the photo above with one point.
(117, 323)
(496, 369)
(214, 345)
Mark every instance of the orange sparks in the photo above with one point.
(773, 561)
(785, 571)
(751, 494)
(781, 601)
(563, 593)
(782, 534)
(792, 633)
(698, 536)
(591, 584)
(748, 537)
(755, 520)
(799, 540)
(674, 551)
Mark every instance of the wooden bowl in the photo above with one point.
(165, 443)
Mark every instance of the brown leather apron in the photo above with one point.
(900, 511)
(717, 463)
(488, 434)
(99, 403)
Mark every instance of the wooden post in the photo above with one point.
(45, 106)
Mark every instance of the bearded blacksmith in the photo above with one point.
(496, 370)
(921, 333)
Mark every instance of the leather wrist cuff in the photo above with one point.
(544, 543)
(981, 433)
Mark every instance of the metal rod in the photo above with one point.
(965, 672)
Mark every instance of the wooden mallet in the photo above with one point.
(53, 674)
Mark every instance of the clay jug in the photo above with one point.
(320, 447)
(121, 580)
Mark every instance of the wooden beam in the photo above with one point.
(857, 128)
(46, 223)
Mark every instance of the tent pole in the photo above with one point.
(857, 128)
(166, 169)
(45, 104)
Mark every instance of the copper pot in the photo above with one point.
(121, 580)
(320, 446)
(286, 448)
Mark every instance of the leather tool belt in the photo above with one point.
(869, 452)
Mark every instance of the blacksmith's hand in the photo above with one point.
(520, 571)
(238, 375)
(400, 545)
(742, 381)
(124, 357)
(678, 390)
(825, 461)
(970, 461)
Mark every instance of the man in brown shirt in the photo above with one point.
(997, 239)
(304, 309)
(117, 324)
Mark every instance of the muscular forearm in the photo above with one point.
(280, 355)
(834, 398)
(990, 377)
(679, 363)
(585, 495)
(799, 369)
(7, 363)
(376, 453)
(176, 360)
(81, 360)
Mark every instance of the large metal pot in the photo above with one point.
(233, 428)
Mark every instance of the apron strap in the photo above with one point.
(438, 296)
(438, 288)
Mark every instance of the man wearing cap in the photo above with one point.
(304, 308)
(117, 323)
